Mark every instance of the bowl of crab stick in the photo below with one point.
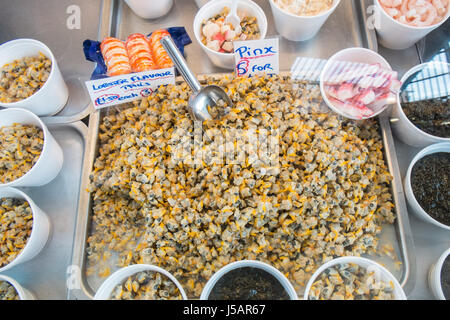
(358, 83)
(402, 23)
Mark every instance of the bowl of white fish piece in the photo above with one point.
(301, 20)
(368, 280)
(24, 245)
(30, 78)
(10, 289)
(226, 60)
(140, 282)
(19, 147)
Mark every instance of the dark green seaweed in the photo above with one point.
(431, 116)
(431, 185)
(248, 284)
(445, 278)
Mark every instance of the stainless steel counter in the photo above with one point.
(56, 23)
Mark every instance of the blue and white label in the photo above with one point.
(128, 87)
(257, 57)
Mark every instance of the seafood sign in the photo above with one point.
(125, 88)
(256, 57)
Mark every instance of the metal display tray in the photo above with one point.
(347, 18)
(398, 235)
(45, 275)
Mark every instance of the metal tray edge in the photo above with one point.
(80, 290)
(408, 279)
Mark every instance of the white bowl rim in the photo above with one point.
(333, 7)
(357, 260)
(408, 74)
(438, 270)
(414, 27)
(216, 2)
(252, 264)
(52, 70)
(322, 74)
(422, 153)
(135, 268)
(33, 206)
(15, 284)
(44, 147)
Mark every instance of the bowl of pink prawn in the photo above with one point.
(401, 23)
(358, 83)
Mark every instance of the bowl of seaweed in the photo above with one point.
(427, 185)
(422, 114)
(248, 280)
(439, 277)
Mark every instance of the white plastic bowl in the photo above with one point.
(219, 59)
(150, 9)
(382, 272)
(434, 276)
(412, 202)
(398, 36)
(107, 287)
(360, 55)
(403, 128)
(53, 95)
(39, 232)
(201, 3)
(51, 159)
(252, 264)
(299, 28)
(24, 294)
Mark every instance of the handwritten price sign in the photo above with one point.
(125, 88)
(256, 56)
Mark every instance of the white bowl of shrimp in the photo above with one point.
(402, 23)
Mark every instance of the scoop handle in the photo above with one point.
(180, 63)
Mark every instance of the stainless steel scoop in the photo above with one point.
(210, 97)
